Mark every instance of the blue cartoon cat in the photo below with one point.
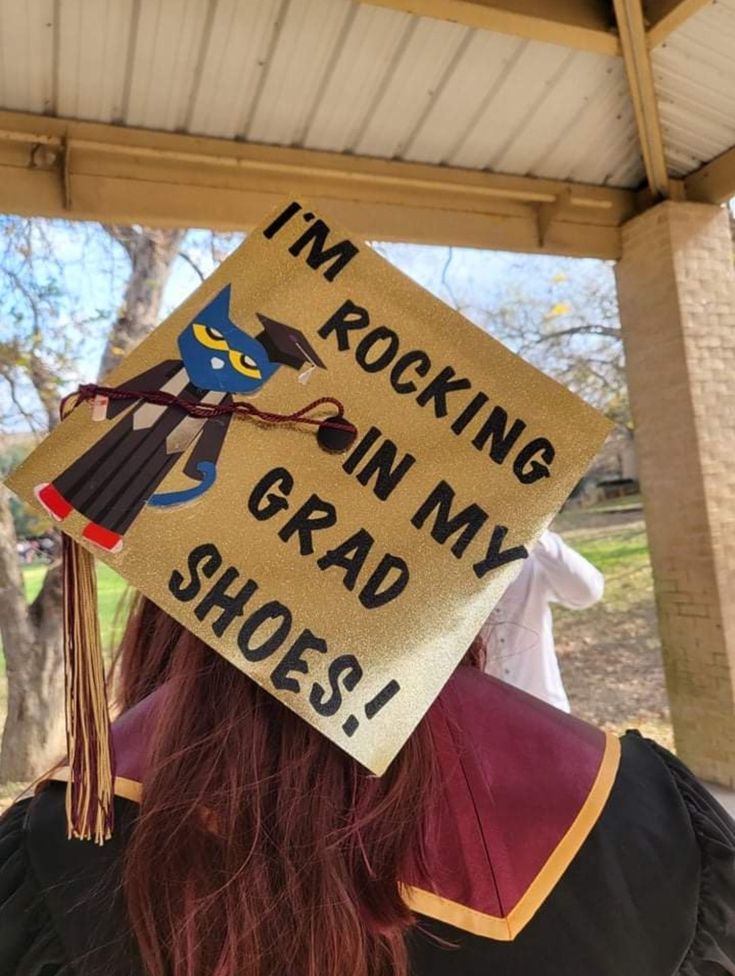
(112, 482)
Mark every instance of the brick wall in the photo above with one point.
(676, 288)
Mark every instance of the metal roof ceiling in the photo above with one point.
(694, 72)
(341, 76)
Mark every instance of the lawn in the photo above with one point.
(111, 589)
(620, 551)
(610, 655)
(623, 551)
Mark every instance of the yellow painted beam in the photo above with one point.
(80, 170)
(663, 17)
(629, 15)
(714, 182)
(582, 24)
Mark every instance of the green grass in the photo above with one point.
(616, 543)
(624, 549)
(111, 590)
(623, 558)
(621, 553)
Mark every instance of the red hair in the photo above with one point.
(261, 848)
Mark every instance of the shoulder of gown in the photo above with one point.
(29, 945)
(61, 905)
(50, 888)
(712, 950)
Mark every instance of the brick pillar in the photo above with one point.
(676, 287)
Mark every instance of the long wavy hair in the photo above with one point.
(261, 849)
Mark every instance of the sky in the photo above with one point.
(475, 278)
(93, 269)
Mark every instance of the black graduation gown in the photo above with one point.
(113, 480)
(650, 892)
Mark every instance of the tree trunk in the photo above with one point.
(152, 254)
(33, 736)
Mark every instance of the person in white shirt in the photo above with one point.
(518, 638)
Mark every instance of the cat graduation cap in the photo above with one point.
(112, 482)
(344, 565)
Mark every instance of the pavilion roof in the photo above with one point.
(547, 115)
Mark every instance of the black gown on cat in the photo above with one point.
(111, 483)
(556, 851)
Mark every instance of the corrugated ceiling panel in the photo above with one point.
(506, 114)
(695, 79)
(342, 76)
(561, 109)
(600, 142)
(235, 58)
(578, 105)
(93, 37)
(613, 159)
(168, 39)
(27, 55)
(473, 82)
(550, 108)
(423, 64)
(298, 69)
(359, 69)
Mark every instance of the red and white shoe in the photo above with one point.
(103, 538)
(53, 501)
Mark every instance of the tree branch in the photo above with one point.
(598, 330)
(6, 374)
(192, 264)
(445, 278)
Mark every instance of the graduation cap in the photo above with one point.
(287, 345)
(290, 347)
(380, 582)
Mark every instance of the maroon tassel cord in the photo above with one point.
(242, 409)
(90, 810)
(90, 791)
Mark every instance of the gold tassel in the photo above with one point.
(89, 796)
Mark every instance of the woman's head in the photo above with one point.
(261, 847)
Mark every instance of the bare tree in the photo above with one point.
(40, 329)
(39, 348)
(559, 314)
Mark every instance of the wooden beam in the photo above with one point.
(547, 214)
(87, 171)
(629, 15)
(714, 182)
(576, 24)
(582, 24)
(663, 17)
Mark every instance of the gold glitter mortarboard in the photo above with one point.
(348, 585)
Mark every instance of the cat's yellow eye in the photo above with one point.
(245, 364)
(209, 337)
